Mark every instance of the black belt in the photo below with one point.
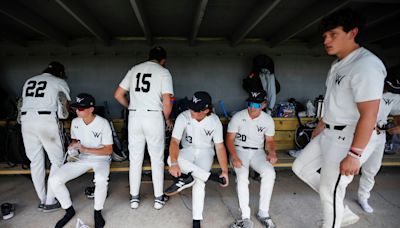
(39, 112)
(248, 148)
(336, 127)
(148, 110)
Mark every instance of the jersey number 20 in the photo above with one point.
(145, 83)
(35, 89)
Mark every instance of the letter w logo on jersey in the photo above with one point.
(388, 101)
(339, 78)
(255, 94)
(96, 134)
(260, 129)
(208, 132)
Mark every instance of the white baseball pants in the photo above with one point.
(199, 163)
(40, 131)
(257, 160)
(146, 127)
(371, 167)
(72, 170)
(325, 152)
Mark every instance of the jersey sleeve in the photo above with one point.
(233, 126)
(107, 138)
(367, 84)
(270, 127)
(179, 127)
(65, 89)
(125, 83)
(166, 85)
(218, 137)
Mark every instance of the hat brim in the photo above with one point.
(77, 105)
(255, 100)
(196, 108)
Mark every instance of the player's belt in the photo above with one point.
(147, 110)
(39, 112)
(248, 148)
(335, 127)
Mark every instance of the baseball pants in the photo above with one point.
(325, 152)
(41, 132)
(199, 163)
(146, 127)
(72, 170)
(257, 160)
(371, 167)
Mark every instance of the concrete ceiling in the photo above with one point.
(233, 21)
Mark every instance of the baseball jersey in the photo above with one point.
(251, 132)
(40, 93)
(358, 77)
(146, 82)
(390, 105)
(193, 133)
(94, 135)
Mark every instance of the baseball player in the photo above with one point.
(91, 136)
(354, 89)
(199, 130)
(40, 129)
(250, 135)
(150, 89)
(390, 104)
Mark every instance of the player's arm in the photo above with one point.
(366, 123)
(318, 129)
(270, 149)
(105, 150)
(167, 108)
(395, 130)
(119, 95)
(230, 143)
(174, 169)
(223, 161)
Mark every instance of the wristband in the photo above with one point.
(354, 155)
(173, 164)
(357, 150)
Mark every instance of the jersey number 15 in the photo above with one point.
(35, 89)
(145, 84)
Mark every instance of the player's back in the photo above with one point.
(40, 93)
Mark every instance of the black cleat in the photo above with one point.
(182, 182)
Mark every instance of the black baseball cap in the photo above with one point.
(258, 96)
(200, 101)
(393, 84)
(84, 100)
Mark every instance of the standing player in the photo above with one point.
(91, 136)
(150, 89)
(39, 126)
(354, 89)
(200, 131)
(390, 104)
(250, 136)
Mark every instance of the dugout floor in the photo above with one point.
(293, 205)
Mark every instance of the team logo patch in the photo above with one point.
(96, 134)
(339, 78)
(255, 94)
(195, 99)
(208, 132)
(342, 138)
(260, 129)
(388, 101)
(78, 99)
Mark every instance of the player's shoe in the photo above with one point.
(349, 218)
(242, 223)
(7, 210)
(40, 207)
(182, 182)
(52, 207)
(365, 206)
(159, 202)
(266, 222)
(135, 202)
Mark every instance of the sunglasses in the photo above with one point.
(254, 105)
(80, 109)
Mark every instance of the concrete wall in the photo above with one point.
(214, 67)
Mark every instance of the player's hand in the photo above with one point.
(316, 132)
(272, 158)
(236, 162)
(349, 166)
(394, 130)
(75, 145)
(170, 124)
(174, 170)
(225, 176)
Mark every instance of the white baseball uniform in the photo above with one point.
(146, 83)
(197, 155)
(358, 77)
(390, 105)
(249, 144)
(40, 129)
(97, 134)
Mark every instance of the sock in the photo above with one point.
(70, 212)
(215, 177)
(365, 206)
(196, 223)
(98, 219)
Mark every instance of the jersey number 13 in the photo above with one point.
(142, 82)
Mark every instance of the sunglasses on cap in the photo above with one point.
(254, 105)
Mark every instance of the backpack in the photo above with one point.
(303, 132)
(14, 150)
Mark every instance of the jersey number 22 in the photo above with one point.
(35, 89)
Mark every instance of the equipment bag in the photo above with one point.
(14, 147)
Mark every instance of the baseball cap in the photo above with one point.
(258, 96)
(393, 84)
(84, 100)
(200, 101)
